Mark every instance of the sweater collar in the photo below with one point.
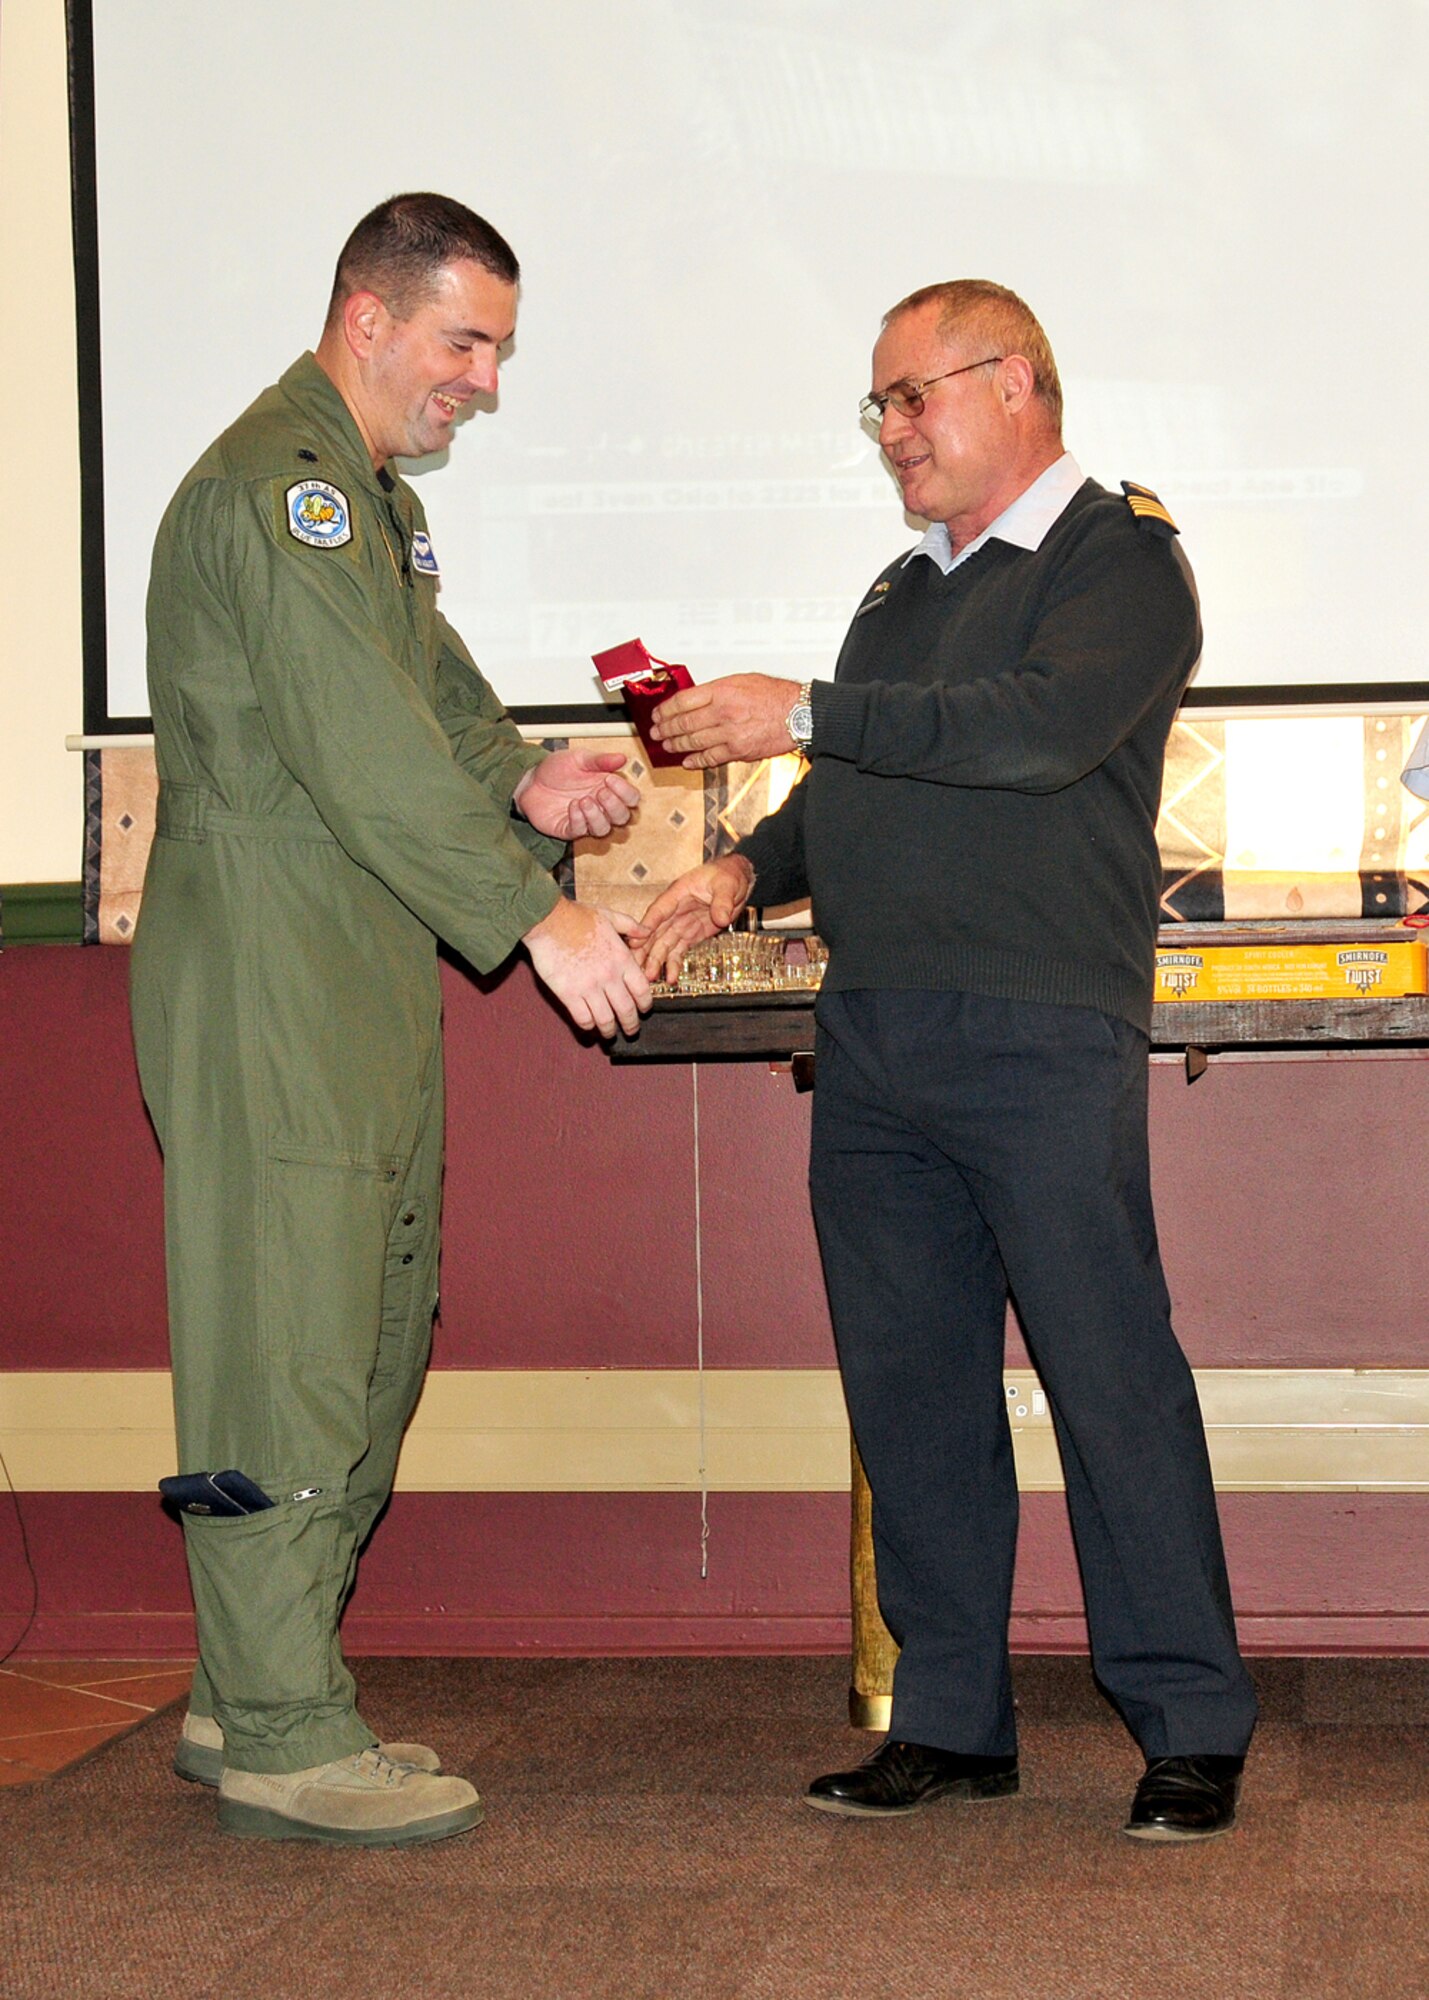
(1025, 524)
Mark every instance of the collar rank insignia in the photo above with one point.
(1149, 512)
(318, 514)
(424, 560)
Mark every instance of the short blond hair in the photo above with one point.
(998, 319)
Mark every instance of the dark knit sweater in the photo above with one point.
(981, 809)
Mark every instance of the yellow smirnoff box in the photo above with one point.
(1320, 971)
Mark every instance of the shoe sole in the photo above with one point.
(1180, 1835)
(197, 1766)
(966, 1791)
(247, 1822)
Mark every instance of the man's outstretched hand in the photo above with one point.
(579, 952)
(696, 906)
(741, 718)
(575, 793)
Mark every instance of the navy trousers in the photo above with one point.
(965, 1148)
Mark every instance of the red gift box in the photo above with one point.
(643, 683)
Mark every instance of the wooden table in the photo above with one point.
(777, 1027)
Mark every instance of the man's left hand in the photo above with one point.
(575, 794)
(739, 718)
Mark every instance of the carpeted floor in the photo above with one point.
(644, 1838)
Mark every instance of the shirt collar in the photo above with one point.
(1024, 524)
(1415, 776)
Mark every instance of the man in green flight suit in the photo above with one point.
(339, 787)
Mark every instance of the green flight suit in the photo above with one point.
(335, 787)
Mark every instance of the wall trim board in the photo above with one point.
(1328, 1633)
(153, 1635)
(42, 913)
(371, 1634)
(764, 1430)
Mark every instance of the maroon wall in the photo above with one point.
(1288, 1200)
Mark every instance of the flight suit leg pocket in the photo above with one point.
(326, 1220)
(265, 1589)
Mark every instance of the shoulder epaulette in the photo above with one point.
(1149, 512)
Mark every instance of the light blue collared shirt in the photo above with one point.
(1415, 777)
(1025, 523)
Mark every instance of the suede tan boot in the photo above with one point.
(198, 1754)
(361, 1801)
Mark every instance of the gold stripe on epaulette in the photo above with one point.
(1146, 506)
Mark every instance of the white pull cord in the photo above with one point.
(700, 1335)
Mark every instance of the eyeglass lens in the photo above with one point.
(907, 397)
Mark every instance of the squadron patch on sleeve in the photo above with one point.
(318, 514)
(1149, 512)
(424, 559)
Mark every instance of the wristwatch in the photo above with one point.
(800, 720)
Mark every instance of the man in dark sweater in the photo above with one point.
(977, 834)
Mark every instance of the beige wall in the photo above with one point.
(41, 699)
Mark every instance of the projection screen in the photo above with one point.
(713, 202)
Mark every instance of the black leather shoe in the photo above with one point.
(1185, 1798)
(900, 1777)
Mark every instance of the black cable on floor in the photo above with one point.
(24, 1631)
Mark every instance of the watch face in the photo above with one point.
(800, 723)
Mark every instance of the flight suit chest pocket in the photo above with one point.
(398, 589)
(424, 619)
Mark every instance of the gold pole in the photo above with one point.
(875, 1653)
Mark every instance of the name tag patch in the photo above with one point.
(423, 556)
(318, 514)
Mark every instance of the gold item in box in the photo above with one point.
(750, 962)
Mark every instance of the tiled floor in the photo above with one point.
(55, 1711)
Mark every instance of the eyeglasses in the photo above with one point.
(907, 397)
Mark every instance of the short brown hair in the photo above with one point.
(402, 247)
(1000, 320)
